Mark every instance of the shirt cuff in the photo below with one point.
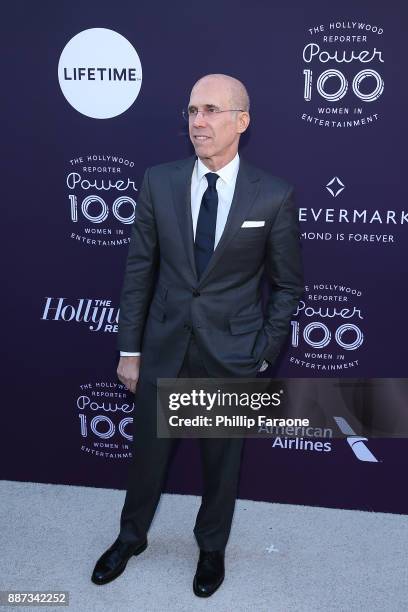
(264, 366)
(126, 354)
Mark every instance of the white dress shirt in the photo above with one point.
(225, 188)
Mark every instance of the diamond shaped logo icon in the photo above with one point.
(335, 186)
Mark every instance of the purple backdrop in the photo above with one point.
(328, 91)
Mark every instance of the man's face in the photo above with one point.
(215, 136)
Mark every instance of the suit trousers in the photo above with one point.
(220, 459)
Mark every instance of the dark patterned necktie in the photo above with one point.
(206, 222)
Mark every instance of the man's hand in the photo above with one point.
(128, 372)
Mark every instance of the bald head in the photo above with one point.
(214, 127)
(235, 90)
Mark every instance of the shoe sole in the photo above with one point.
(199, 594)
(106, 580)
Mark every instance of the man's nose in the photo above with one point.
(199, 119)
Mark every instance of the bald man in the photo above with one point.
(206, 228)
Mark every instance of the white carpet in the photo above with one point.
(279, 558)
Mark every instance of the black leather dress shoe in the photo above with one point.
(210, 572)
(113, 561)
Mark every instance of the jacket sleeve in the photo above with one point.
(285, 274)
(140, 273)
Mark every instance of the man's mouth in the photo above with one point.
(201, 138)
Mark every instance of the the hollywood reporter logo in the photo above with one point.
(98, 315)
(101, 198)
(105, 418)
(102, 425)
(342, 72)
(312, 52)
(326, 328)
(93, 207)
(327, 335)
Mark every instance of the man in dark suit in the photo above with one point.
(206, 229)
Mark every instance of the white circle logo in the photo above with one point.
(100, 73)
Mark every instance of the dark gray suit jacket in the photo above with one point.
(162, 299)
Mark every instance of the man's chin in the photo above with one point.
(202, 149)
(203, 153)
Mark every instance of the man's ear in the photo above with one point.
(243, 121)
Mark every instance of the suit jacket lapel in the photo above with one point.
(246, 188)
(181, 185)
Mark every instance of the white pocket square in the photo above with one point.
(253, 224)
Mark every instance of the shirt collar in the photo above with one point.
(228, 173)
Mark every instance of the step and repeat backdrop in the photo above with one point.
(94, 96)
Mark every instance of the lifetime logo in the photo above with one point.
(356, 443)
(100, 74)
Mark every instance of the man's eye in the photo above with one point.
(212, 111)
(192, 111)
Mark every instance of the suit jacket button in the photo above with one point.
(196, 293)
(187, 326)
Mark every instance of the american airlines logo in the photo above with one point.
(356, 443)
